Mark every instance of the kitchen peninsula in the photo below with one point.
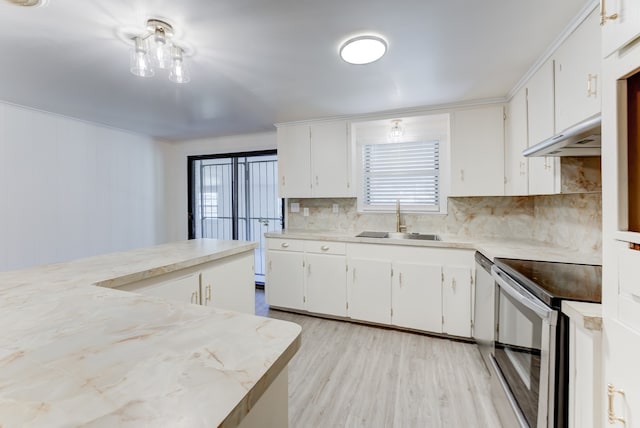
(73, 353)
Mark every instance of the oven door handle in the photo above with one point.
(523, 296)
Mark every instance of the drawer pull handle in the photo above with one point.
(285, 245)
(633, 246)
(324, 248)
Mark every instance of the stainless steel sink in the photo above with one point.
(399, 235)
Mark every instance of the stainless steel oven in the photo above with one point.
(525, 352)
(530, 353)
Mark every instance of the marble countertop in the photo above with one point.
(586, 315)
(490, 247)
(75, 354)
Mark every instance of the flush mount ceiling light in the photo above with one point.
(28, 3)
(157, 48)
(396, 130)
(363, 49)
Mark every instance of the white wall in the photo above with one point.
(176, 171)
(71, 189)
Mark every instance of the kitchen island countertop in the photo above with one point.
(75, 354)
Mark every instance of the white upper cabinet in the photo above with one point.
(294, 157)
(544, 177)
(516, 165)
(330, 160)
(578, 75)
(313, 160)
(621, 24)
(477, 152)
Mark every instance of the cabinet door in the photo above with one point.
(284, 279)
(230, 284)
(516, 165)
(416, 296)
(185, 289)
(541, 116)
(369, 290)
(294, 161)
(456, 301)
(326, 284)
(330, 160)
(578, 74)
(621, 347)
(585, 376)
(618, 32)
(477, 152)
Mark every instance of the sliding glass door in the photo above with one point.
(235, 197)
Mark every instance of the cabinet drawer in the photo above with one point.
(629, 285)
(325, 247)
(286, 244)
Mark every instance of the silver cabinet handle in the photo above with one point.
(324, 248)
(309, 268)
(317, 180)
(285, 245)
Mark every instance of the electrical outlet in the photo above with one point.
(336, 209)
(305, 212)
(295, 207)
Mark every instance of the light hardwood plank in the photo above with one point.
(353, 375)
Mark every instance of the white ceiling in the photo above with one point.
(260, 62)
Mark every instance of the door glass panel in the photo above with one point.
(518, 353)
(236, 197)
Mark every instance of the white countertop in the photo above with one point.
(74, 354)
(490, 247)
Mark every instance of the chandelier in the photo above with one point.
(156, 49)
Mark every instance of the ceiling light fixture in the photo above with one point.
(156, 48)
(396, 130)
(28, 3)
(363, 49)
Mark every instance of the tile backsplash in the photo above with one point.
(568, 220)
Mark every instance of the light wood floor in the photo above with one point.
(351, 375)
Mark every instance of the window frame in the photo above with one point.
(423, 128)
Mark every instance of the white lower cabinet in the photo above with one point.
(369, 287)
(420, 288)
(416, 296)
(223, 285)
(226, 283)
(456, 300)
(326, 284)
(184, 288)
(284, 282)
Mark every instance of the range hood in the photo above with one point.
(582, 139)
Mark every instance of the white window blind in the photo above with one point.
(409, 172)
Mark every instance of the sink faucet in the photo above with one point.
(399, 227)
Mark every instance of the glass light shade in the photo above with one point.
(363, 50)
(140, 64)
(161, 53)
(396, 130)
(179, 72)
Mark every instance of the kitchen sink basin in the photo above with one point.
(399, 235)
